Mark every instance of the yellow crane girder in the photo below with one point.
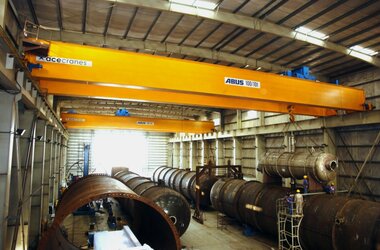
(82, 121)
(86, 64)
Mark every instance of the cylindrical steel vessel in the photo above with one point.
(205, 184)
(187, 184)
(329, 222)
(148, 221)
(343, 223)
(215, 195)
(229, 196)
(172, 202)
(157, 172)
(321, 166)
(224, 195)
(184, 182)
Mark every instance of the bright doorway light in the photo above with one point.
(216, 121)
(312, 33)
(119, 148)
(364, 50)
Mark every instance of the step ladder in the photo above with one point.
(288, 223)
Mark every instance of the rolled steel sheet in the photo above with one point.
(172, 202)
(205, 184)
(148, 221)
(343, 223)
(267, 218)
(248, 197)
(173, 176)
(126, 175)
(360, 222)
(134, 182)
(329, 222)
(167, 176)
(229, 195)
(187, 184)
(184, 181)
(162, 174)
(178, 181)
(216, 193)
(144, 186)
(157, 172)
(321, 166)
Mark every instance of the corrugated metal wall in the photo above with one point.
(353, 146)
(157, 151)
(248, 156)
(77, 139)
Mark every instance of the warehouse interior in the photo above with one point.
(189, 124)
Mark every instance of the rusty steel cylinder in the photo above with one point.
(184, 181)
(148, 222)
(172, 202)
(329, 222)
(321, 166)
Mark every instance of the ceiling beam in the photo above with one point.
(249, 23)
(116, 42)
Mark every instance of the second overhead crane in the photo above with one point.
(100, 72)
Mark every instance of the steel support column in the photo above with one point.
(7, 128)
(193, 155)
(21, 203)
(46, 176)
(236, 151)
(176, 155)
(184, 155)
(51, 166)
(259, 153)
(37, 184)
(219, 156)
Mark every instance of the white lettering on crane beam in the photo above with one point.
(241, 82)
(61, 60)
(144, 123)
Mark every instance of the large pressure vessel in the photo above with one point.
(321, 166)
(329, 222)
(184, 181)
(172, 202)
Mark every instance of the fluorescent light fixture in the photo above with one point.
(364, 50)
(205, 5)
(186, 2)
(312, 33)
(196, 3)
(20, 131)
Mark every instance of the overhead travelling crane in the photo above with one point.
(78, 70)
(84, 121)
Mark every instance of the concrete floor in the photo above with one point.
(225, 235)
(211, 236)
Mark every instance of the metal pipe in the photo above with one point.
(329, 222)
(149, 222)
(320, 166)
(172, 202)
